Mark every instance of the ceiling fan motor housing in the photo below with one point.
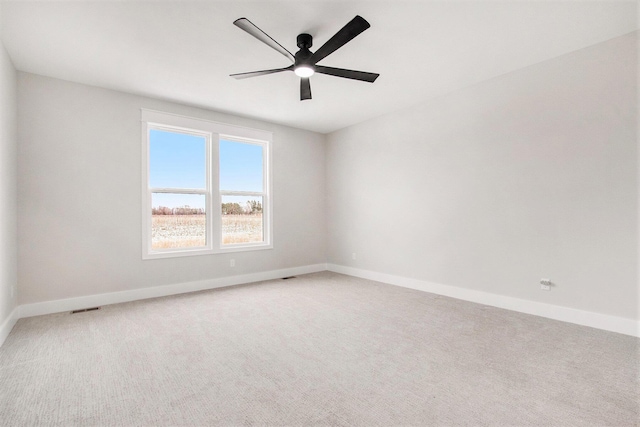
(304, 42)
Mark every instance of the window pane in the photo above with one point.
(176, 160)
(177, 221)
(240, 166)
(241, 219)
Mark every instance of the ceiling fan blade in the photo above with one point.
(347, 74)
(305, 88)
(342, 37)
(239, 76)
(249, 27)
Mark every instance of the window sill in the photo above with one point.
(198, 252)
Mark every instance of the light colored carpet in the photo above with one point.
(320, 349)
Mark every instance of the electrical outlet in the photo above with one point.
(353, 255)
(232, 263)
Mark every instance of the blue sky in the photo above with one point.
(178, 161)
(240, 166)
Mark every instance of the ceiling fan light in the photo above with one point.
(304, 71)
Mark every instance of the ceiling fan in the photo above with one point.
(305, 62)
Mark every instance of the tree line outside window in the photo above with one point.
(252, 207)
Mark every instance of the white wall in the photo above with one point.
(529, 175)
(79, 201)
(8, 192)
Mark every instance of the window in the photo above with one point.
(206, 187)
(242, 192)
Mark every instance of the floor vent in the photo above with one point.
(85, 309)
(290, 277)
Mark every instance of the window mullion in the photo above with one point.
(216, 199)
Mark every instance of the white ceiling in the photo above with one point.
(184, 51)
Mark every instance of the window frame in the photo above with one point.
(213, 132)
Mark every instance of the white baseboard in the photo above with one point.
(8, 324)
(565, 314)
(57, 306)
(580, 317)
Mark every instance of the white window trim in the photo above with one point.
(213, 131)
